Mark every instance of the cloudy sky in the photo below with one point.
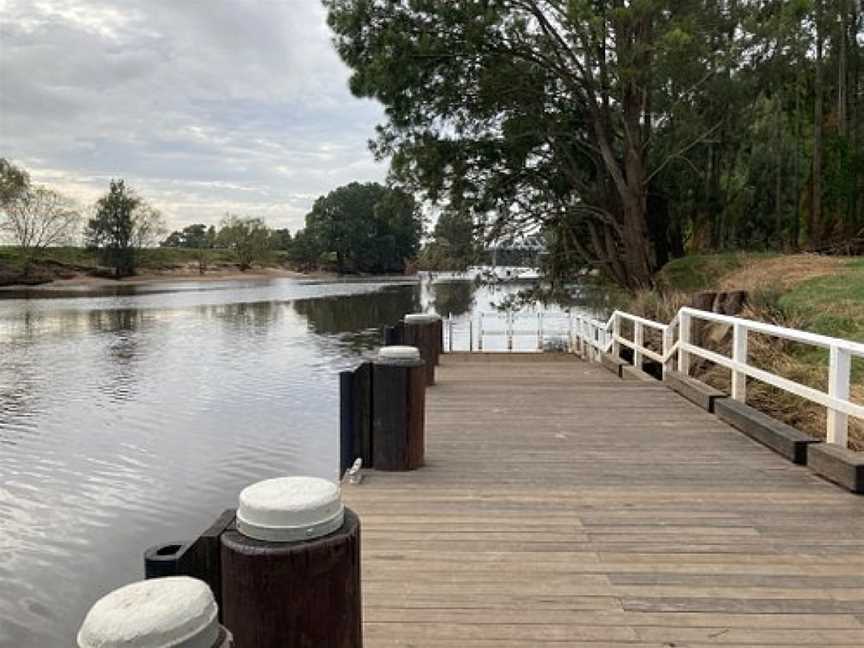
(204, 106)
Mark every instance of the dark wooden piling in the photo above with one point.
(424, 332)
(393, 335)
(300, 594)
(398, 413)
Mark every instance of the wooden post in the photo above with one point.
(616, 333)
(638, 343)
(398, 409)
(421, 330)
(347, 452)
(739, 354)
(291, 569)
(361, 416)
(175, 611)
(450, 333)
(839, 370)
(683, 339)
(668, 342)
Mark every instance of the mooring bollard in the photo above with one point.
(291, 568)
(172, 612)
(423, 330)
(398, 409)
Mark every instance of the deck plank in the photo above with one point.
(561, 506)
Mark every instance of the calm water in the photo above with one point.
(133, 418)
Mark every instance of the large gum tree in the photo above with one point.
(552, 113)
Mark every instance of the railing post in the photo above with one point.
(539, 331)
(839, 369)
(480, 333)
(683, 339)
(739, 354)
(471, 334)
(638, 342)
(450, 332)
(508, 327)
(668, 342)
(616, 333)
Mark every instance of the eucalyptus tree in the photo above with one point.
(545, 111)
(123, 224)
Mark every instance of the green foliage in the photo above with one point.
(248, 239)
(192, 236)
(281, 239)
(698, 271)
(14, 181)
(643, 129)
(453, 245)
(364, 228)
(112, 230)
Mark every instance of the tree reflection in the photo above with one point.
(123, 349)
(358, 319)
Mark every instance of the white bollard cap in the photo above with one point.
(290, 509)
(399, 352)
(421, 318)
(171, 612)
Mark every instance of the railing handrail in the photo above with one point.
(601, 337)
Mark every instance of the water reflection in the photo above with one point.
(132, 418)
(358, 319)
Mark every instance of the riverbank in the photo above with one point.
(71, 266)
(77, 270)
(820, 294)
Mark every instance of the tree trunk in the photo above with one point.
(816, 225)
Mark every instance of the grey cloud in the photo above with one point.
(205, 107)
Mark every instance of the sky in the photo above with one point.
(203, 106)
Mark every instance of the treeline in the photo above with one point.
(365, 228)
(629, 133)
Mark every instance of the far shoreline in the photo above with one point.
(86, 283)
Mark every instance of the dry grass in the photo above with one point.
(780, 273)
(805, 292)
(781, 357)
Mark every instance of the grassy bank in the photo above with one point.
(808, 292)
(71, 262)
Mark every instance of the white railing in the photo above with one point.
(509, 331)
(594, 338)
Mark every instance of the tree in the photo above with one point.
(123, 224)
(281, 239)
(366, 227)
(249, 239)
(453, 245)
(192, 236)
(535, 109)
(304, 252)
(14, 181)
(38, 218)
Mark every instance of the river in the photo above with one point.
(132, 417)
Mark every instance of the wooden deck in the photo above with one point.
(563, 507)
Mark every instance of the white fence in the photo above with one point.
(510, 331)
(593, 337)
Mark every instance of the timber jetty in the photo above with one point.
(562, 505)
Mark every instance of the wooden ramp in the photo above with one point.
(561, 506)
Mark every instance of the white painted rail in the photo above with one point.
(510, 331)
(594, 337)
